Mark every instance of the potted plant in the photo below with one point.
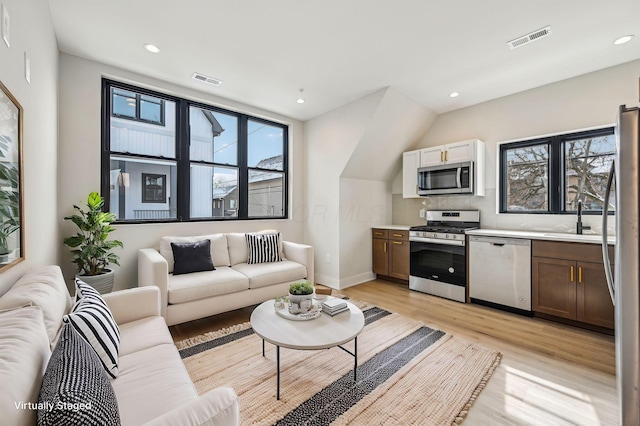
(91, 248)
(301, 294)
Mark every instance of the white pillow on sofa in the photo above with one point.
(219, 251)
(24, 354)
(43, 287)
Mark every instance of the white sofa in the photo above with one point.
(153, 386)
(232, 285)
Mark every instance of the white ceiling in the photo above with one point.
(340, 50)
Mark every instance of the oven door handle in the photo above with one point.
(436, 241)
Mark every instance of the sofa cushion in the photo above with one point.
(152, 382)
(263, 248)
(237, 243)
(265, 274)
(142, 334)
(45, 288)
(92, 319)
(200, 285)
(24, 353)
(75, 388)
(192, 257)
(219, 251)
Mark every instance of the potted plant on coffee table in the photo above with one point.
(301, 294)
(91, 248)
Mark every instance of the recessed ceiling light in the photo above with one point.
(454, 95)
(152, 48)
(623, 40)
(300, 99)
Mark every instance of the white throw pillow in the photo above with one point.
(24, 354)
(43, 287)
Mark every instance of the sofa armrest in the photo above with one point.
(133, 304)
(302, 254)
(153, 270)
(218, 407)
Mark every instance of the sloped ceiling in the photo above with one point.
(396, 125)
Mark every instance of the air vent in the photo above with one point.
(209, 80)
(536, 35)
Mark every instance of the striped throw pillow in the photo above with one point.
(93, 320)
(263, 248)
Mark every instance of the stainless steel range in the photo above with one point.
(438, 263)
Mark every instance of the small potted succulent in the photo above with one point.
(300, 296)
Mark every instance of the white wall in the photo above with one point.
(352, 152)
(80, 121)
(582, 102)
(363, 204)
(32, 32)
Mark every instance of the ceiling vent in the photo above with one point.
(536, 35)
(209, 80)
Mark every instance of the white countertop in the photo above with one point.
(541, 235)
(394, 227)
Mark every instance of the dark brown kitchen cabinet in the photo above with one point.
(391, 253)
(568, 281)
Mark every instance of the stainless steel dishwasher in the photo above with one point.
(500, 272)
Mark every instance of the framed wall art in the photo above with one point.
(11, 211)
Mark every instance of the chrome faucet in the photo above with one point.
(580, 227)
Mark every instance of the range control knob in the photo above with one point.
(435, 235)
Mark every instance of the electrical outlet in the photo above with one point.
(328, 257)
(6, 27)
(423, 213)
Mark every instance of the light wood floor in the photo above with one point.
(550, 374)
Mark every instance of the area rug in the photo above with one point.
(407, 374)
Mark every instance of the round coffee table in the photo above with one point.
(319, 333)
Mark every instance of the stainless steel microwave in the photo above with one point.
(446, 179)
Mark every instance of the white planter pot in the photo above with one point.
(303, 302)
(103, 282)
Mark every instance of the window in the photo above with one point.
(199, 163)
(154, 189)
(135, 106)
(550, 175)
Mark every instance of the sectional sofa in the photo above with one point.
(152, 386)
(236, 282)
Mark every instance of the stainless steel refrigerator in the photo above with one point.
(623, 283)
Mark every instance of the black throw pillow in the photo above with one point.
(192, 257)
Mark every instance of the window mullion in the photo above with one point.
(555, 180)
(183, 160)
(243, 171)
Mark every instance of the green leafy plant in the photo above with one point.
(92, 251)
(9, 198)
(301, 288)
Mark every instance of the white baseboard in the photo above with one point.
(327, 281)
(339, 284)
(357, 279)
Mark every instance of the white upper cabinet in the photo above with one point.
(458, 152)
(410, 165)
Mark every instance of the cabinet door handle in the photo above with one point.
(572, 274)
(446, 156)
(397, 242)
(579, 274)
(442, 156)
(385, 247)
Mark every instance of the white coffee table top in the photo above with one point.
(319, 333)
